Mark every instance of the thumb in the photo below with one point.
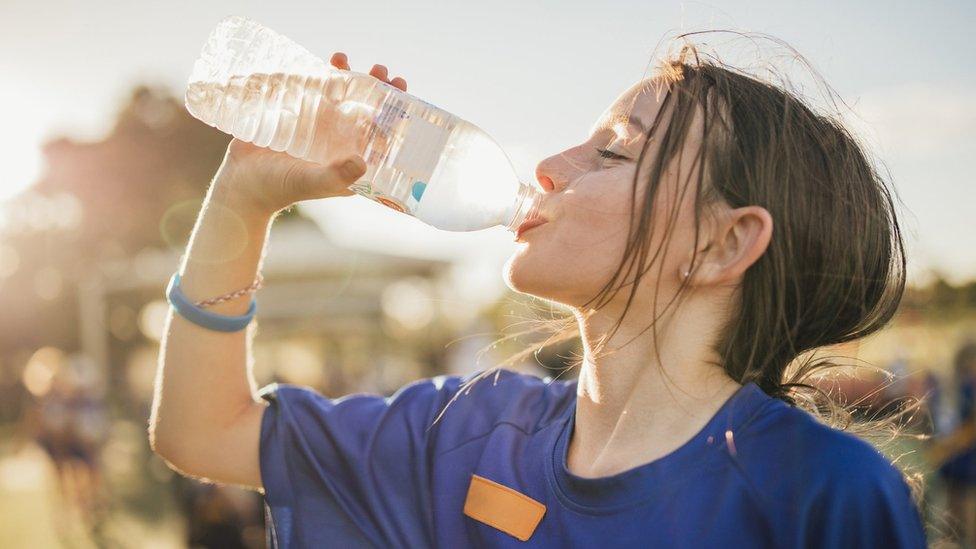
(334, 179)
(350, 170)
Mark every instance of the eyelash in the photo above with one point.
(610, 155)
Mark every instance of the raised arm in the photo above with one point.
(205, 417)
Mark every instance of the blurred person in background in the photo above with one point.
(69, 421)
(939, 416)
(708, 233)
(221, 517)
(899, 369)
(14, 395)
(959, 470)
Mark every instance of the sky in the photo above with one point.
(534, 75)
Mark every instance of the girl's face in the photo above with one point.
(587, 206)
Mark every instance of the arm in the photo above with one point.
(206, 419)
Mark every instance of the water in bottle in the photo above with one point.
(263, 88)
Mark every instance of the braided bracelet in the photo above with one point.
(255, 286)
(197, 315)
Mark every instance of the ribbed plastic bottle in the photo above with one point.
(264, 88)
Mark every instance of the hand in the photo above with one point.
(267, 181)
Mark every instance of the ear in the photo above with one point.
(738, 241)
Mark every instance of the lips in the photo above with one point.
(528, 224)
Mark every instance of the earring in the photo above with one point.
(686, 273)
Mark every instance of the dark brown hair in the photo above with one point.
(834, 271)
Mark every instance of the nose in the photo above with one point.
(545, 181)
(550, 177)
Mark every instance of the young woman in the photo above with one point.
(710, 231)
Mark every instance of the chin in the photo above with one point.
(521, 276)
(526, 276)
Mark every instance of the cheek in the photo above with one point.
(571, 259)
(595, 210)
(596, 220)
(588, 246)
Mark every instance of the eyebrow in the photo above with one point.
(631, 120)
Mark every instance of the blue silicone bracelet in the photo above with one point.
(188, 310)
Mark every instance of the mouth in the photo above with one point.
(528, 225)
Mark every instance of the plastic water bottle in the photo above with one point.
(264, 88)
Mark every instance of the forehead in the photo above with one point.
(638, 106)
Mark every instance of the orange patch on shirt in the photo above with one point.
(503, 508)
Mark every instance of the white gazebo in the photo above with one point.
(322, 317)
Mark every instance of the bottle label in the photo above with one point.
(405, 147)
(421, 149)
(381, 130)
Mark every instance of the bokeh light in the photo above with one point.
(41, 369)
(48, 283)
(409, 302)
(300, 362)
(177, 222)
(140, 371)
(152, 319)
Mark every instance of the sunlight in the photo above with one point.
(20, 141)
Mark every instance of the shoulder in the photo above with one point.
(477, 401)
(499, 395)
(791, 441)
(838, 455)
(807, 474)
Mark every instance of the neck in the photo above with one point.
(643, 397)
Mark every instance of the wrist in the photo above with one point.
(233, 196)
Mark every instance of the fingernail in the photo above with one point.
(351, 168)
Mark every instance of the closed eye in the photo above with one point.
(610, 154)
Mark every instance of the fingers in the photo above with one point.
(340, 60)
(379, 72)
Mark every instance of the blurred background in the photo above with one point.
(104, 171)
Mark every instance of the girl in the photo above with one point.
(708, 232)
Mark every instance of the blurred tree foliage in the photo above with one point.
(139, 187)
(941, 298)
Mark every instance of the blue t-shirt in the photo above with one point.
(364, 470)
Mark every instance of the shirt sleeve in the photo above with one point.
(872, 509)
(352, 470)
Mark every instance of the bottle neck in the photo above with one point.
(527, 204)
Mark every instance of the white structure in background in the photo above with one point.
(322, 313)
